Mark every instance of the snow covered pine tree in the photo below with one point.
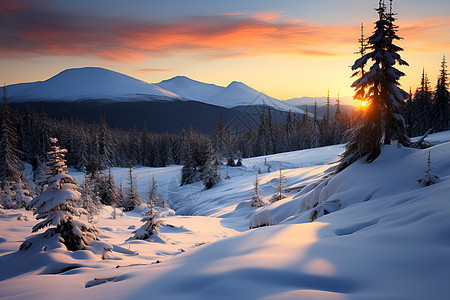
(379, 87)
(132, 199)
(257, 200)
(151, 219)
(55, 205)
(281, 180)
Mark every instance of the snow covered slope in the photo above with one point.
(240, 94)
(235, 94)
(87, 83)
(98, 83)
(190, 89)
(383, 236)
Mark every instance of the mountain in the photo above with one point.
(88, 83)
(239, 94)
(189, 88)
(88, 93)
(321, 101)
(92, 83)
(234, 95)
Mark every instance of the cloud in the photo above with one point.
(8, 7)
(153, 70)
(38, 30)
(426, 34)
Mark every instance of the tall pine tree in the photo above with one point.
(441, 101)
(9, 169)
(383, 121)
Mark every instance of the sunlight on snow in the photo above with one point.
(287, 246)
(320, 266)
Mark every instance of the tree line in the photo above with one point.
(25, 138)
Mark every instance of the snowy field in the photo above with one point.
(376, 234)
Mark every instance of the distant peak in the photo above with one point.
(240, 85)
(86, 69)
(179, 78)
(237, 83)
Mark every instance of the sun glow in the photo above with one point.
(363, 104)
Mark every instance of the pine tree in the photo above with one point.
(9, 168)
(429, 177)
(105, 145)
(132, 199)
(210, 170)
(22, 195)
(289, 124)
(315, 131)
(90, 200)
(257, 200)
(339, 123)
(421, 108)
(441, 103)
(383, 119)
(189, 170)
(281, 180)
(151, 219)
(55, 205)
(327, 116)
(152, 196)
(112, 193)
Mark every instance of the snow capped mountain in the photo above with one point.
(189, 88)
(240, 94)
(87, 83)
(98, 83)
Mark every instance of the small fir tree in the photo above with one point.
(152, 195)
(112, 193)
(429, 177)
(132, 199)
(55, 205)
(89, 197)
(22, 195)
(281, 180)
(211, 173)
(151, 219)
(257, 200)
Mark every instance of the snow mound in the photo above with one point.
(395, 172)
(86, 83)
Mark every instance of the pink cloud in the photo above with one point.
(40, 32)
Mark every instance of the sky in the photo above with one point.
(284, 48)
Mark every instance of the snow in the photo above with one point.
(189, 88)
(87, 83)
(240, 94)
(385, 237)
(98, 83)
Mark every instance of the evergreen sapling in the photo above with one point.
(257, 200)
(429, 177)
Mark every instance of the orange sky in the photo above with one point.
(276, 48)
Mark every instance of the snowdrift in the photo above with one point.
(376, 234)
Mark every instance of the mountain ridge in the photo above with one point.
(85, 83)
